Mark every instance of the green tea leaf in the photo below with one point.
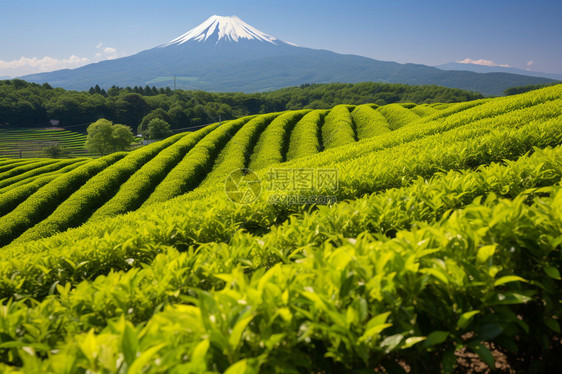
(449, 362)
(552, 324)
(552, 272)
(465, 318)
(129, 344)
(236, 334)
(484, 253)
(240, 367)
(507, 298)
(144, 358)
(436, 337)
(413, 340)
(489, 331)
(507, 279)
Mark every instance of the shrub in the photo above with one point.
(369, 122)
(274, 141)
(338, 128)
(305, 136)
(397, 116)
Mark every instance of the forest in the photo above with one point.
(24, 104)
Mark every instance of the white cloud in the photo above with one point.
(26, 65)
(482, 62)
(33, 65)
(530, 63)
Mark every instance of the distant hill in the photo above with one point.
(225, 54)
(497, 69)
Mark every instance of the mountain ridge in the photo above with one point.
(496, 69)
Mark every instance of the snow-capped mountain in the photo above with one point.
(226, 54)
(217, 28)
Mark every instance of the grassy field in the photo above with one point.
(441, 249)
(29, 143)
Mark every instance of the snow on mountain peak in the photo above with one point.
(228, 28)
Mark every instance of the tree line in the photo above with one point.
(522, 89)
(24, 104)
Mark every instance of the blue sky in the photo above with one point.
(48, 35)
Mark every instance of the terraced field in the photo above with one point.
(29, 143)
(444, 240)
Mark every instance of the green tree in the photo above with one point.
(104, 137)
(99, 138)
(178, 117)
(130, 109)
(56, 151)
(158, 129)
(121, 137)
(158, 113)
(113, 91)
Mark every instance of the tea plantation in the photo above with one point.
(442, 243)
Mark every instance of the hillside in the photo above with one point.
(225, 54)
(443, 240)
(32, 142)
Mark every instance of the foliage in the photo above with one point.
(158, 129)
(397, 116)
(29, 104)
(338, 128)
(39, 168)
(47, 198)
(121, 138)
(142, 183)
(369, 122)
(193, 168)
(523, 89)
(157, 113)
(305, 136)
(56, 151)
(15, 193)
(31, 142)
(236, 154)
(274, 140)
(423, 110)
(94, 193)
(105, 137)
(445, 237)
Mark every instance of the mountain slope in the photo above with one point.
(226, 54)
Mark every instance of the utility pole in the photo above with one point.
(174, 82)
